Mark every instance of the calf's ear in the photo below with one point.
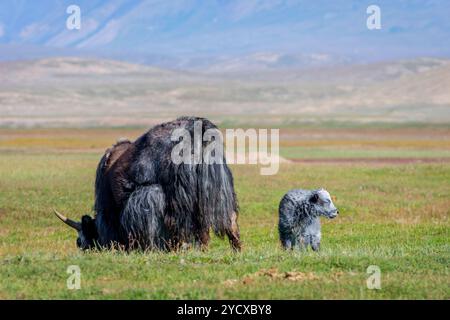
(314, 198)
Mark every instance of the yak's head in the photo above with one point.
(87, 230)
(323, 204)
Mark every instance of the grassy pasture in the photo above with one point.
(393, 215)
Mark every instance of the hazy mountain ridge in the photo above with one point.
(75, 91)
(226, 35)
(72, 68)
(341, 74)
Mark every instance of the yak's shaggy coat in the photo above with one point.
(144, 200)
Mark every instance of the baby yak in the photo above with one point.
(299, 212)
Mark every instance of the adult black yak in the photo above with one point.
(144, 200)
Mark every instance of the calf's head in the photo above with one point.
(323, 204)
(87, 230)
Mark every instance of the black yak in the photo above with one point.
(144, 200)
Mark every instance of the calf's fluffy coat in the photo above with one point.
(299, 217)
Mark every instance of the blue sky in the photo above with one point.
(218, 27)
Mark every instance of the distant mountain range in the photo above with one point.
(94, 92)
(251, 61)
(226, 35)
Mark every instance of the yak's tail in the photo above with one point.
(198, 197)
(217, 200)
(206, 191)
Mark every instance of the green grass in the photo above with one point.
(393, 216)
(348, 152)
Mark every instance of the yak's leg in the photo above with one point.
(313, 235)
(315, 246)
(233, 233)
(286, 244)
(300, 242)
(315, 242)
(202, 239)
(201, 234)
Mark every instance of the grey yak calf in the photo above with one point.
(144, 200)
(299, 217)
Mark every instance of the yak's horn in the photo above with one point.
(70, 223)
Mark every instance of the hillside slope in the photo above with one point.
(90, 92)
